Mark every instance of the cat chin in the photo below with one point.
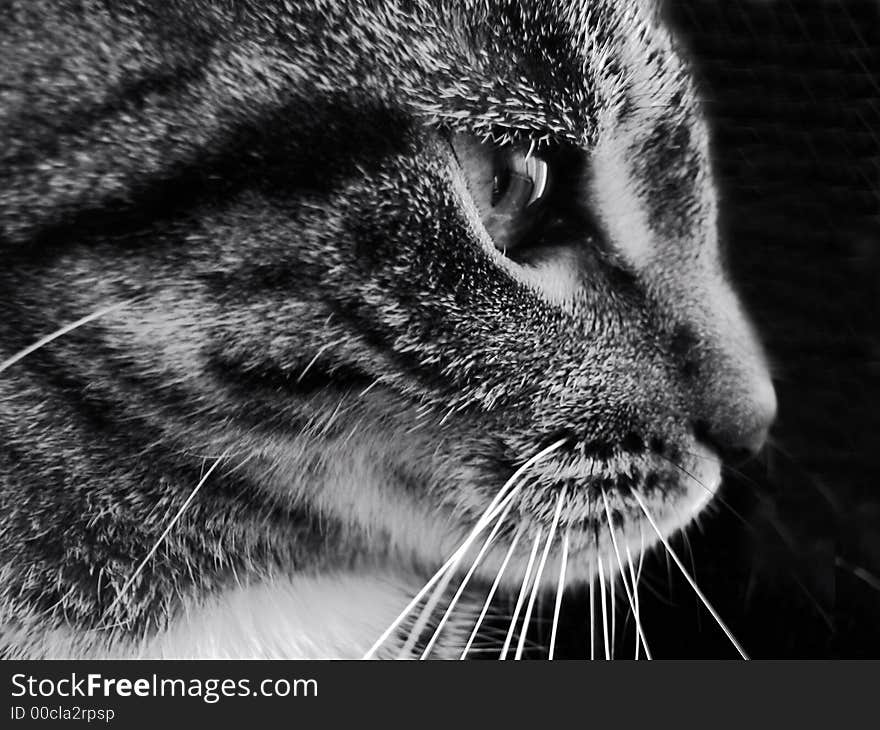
(671, 511)
(422, 533)
(705, 482)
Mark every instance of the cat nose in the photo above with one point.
(741, 431)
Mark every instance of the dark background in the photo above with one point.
(793, 93)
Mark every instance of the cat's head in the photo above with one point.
(510, 240)
(432, 240)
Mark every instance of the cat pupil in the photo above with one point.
(519, 185)
(519, 182)
(499, 186)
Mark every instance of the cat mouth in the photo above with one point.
(543, 555)
(677, 481)
(588, 505)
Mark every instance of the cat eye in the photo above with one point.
(519, 180)
(532, 201)
(509, 185)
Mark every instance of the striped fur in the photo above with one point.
(267, 190)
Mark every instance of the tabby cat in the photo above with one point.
(299, 296)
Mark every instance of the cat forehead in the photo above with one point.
(549, 68)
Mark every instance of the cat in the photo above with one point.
(292, 290)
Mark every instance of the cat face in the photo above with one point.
(386, 262)
(522, 250)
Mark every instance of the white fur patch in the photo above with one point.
(335, 616)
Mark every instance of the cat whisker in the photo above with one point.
(455, 598)
(635, 604)
(641, 554)
(687, 543)
(592, 592)
(715, 495)
(862, 574)
(635, 576)
(536, 586)
(612, 592)
(427, 611)
(560, 589)
(60, 332)
(740, 474)
(171, 523)
(491, 594)
(688, 577)
(507, 492)
(604, 605)
(522, 595)
(443, 574)
(774, 524)
(640, 634)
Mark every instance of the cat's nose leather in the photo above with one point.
(742, 431)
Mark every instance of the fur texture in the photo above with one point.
(306, 292)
